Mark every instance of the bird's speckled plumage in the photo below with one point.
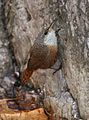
(43, 54)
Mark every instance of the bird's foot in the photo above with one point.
(55, 70)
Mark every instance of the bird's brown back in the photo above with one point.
(43, 54)
(38, 54)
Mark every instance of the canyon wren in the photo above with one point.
(43, 54)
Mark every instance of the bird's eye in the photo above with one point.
(46, 32)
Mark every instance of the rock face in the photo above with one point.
(5, 58)
(24, 20)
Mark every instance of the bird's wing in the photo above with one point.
(38, 55)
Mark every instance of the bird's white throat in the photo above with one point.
(50, 38)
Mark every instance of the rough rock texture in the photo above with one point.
(77, 53)
(5, 58)
(25, 19)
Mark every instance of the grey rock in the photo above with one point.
(73, 17)
(2, 92)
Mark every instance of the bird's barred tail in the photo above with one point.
(25, 76)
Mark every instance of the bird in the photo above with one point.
(43, 53)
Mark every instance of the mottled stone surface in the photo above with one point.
(77, 54)
(5, 58)
(25, 19)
